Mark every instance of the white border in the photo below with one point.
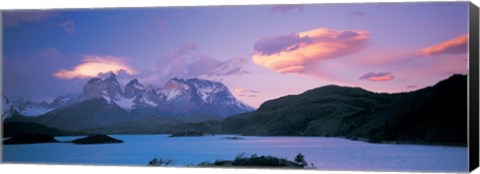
(68, 4)
(75, 4)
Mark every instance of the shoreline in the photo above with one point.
(366, 140)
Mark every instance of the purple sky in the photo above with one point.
(259, 52)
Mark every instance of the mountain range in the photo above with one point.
(436, 114)
(103, 103)
(431, 115)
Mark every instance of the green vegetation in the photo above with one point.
(244, 161)
(432, 115)
(260, 161)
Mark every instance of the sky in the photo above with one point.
(259, 52)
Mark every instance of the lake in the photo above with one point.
(325, 153)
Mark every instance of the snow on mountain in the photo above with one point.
(202, 96)
(6, 106)
(171, 94)
(27, 107)
(181, 97)
(144, 102)
(174, 88)
(63, 100)
(35, 111)
(207, 89)
(178, 98)
(125, 103)
(211, 92)
(138, 86)
(150, 103)
(133, 88)
(6, 115)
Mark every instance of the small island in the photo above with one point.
(30, 139)
(96, 139)
(233, 138)
(260, 161)
(187, 134)
(247, 161)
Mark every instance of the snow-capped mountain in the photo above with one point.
(178, 97)
(6, 107)
(29, 108)
(204, 97)
(108, 88)
(63, 100)
(133, 88)
(103, 103)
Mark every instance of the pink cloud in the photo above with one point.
(378, 77)
(286, 8)
(93, 66)
(68, 26)
(240, 92)
(272, 45)
(456, 45)
(292, 53)
(14, 18)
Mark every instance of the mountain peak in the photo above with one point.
(111, 78)
(133, 88)
(134, 81)
(94, 80)
(202, 93)
(177, 80)
(108, 88)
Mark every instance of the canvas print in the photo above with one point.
(356, 87)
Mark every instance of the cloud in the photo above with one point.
(94, 66)
(245, 92)
(268, 46)
(456, 45)
(15, 18)
(383, 76)
(294, 52)
(207, 66)
(185, 62)
(286, 8)
(68, 26)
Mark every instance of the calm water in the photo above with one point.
(325, 153)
